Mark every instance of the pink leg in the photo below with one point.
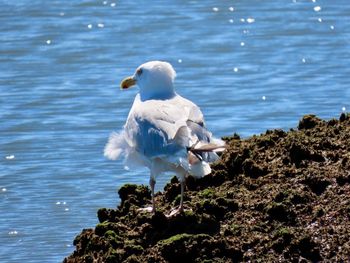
(152, 208)
(152, 183)
(181, 207)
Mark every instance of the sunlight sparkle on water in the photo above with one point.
(320, 20)
(317, 8)
(68, 50)
(10, 157)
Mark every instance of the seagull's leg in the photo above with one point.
(152, 209)
(152, 183)
(181, 207)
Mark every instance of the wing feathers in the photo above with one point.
(166, 130)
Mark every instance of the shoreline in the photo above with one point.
(278, 196)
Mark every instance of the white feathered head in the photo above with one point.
(155, 80)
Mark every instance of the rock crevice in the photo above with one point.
(280, 196)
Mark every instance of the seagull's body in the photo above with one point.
(164, 131)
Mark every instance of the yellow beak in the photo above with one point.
(127, 83)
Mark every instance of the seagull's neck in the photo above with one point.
(156, 94)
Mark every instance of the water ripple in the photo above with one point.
(266, 63)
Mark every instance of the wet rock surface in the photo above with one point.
(277, 197)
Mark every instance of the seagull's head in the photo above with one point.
(155, 80)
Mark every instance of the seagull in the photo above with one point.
(164, 131)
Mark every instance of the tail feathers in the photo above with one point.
(210, 147)
(198, 167)
(200, 154)
(116, 146)
(200, 147)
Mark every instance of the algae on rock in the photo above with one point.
(280, 196)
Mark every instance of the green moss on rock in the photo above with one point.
(279, 196)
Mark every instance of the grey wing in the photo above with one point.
(197, 125)
(153, 141)
(153, 130)
(159, 129)
(198, 130)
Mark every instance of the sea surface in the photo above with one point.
(250, 65)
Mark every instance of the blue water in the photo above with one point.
(250, 65)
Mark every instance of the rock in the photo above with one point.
(252, 169)
(138, 194)
(281, 212)
(277, 197)
(309, 122)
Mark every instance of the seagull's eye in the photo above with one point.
(139, 71)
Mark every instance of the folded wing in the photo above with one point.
(165, 130)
